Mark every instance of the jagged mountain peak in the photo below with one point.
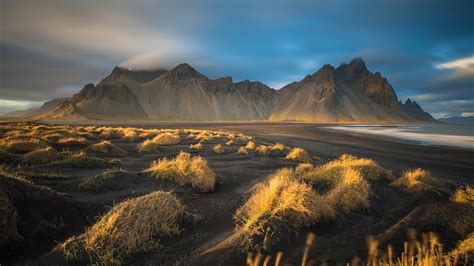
(184, 70)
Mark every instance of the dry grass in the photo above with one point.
(464, 195)
(42, 156)
(81, 160)
(160, 140)
(106, 148)
(243, 151)
(465, 246)
(278, 148)
(425, 252)
(250, 146)
(73, 141)
(131, 226)
(281, 203)
(148, 145)
(21, 145)
(419, 180)
(185, 170)
(299, 155)
(99, 181)
(167, 139)
(229, 142)
(331, 172)
(262, 150)
(196, 147)
(218, 149)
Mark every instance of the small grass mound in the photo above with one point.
(250, 145)
(333, 170)
(279, 204)
(80, 160)
(196, 147)
(106, 148)
(464, 195)
(21, 145)
(185, 170)
(243, 151)
(218, 149)
(298, 154)
(419, 180)
(167, 139)
(42, 156)
(73, 141)
(278, 148)
(148, 145)
(131, 226)
(105, 180)
(229, 142)
(262, 150)
(464, 247)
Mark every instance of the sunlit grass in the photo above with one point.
(185, 170)
(131, 226)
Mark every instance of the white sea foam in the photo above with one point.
(454, 136)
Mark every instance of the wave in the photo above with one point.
(423, 135)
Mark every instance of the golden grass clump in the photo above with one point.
(419, 180)
(22, 145)
(333, 170)
(250, 145)
(129, 133)
(465, 246)
(278, 148)
(72, 141)
(131, 226)
(229, 142)
(97, 182)
(185, 169)
(196, 147)
(218, 149)
(41, 156)
(280, 203)
(106, 148)
(148, 145)
(299, 155)
(167, 139)
(464, 195)
(243, 151)
(262, 150)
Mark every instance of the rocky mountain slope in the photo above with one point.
(413, 109)
(347, 93)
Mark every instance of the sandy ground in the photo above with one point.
(338, 241)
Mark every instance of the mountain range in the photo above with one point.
(348, 93)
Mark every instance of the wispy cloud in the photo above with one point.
(463, 63)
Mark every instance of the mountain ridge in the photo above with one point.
(347, 93)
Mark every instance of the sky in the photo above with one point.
(52, 48)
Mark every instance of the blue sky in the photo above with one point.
(51, 48)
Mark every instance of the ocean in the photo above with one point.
(459, 136)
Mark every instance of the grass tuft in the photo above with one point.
(262, 150)
(464, 195)
(106, 148)
(99, 182)
(419, 180)
(196, 147)
(299, 155)
(185, 170)
(131, 226)
(218, 149)
(283, 202)
(243, 151)
(250, 145)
